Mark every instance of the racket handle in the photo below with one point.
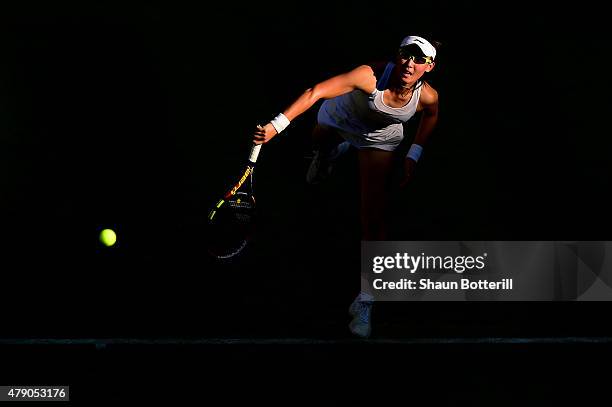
(254, 153)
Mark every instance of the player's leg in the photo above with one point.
(375, 168)
(328, 145)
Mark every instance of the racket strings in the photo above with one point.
(240, 205)
(232, 226)
(243, 218)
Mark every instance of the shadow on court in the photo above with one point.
(502, 374)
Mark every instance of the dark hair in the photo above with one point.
(437, 45)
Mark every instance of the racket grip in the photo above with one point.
(254, 153)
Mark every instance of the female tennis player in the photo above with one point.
(366, 108)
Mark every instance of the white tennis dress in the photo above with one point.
(365, 120)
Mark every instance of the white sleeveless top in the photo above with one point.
(365, 120)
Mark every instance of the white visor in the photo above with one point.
(428, 49)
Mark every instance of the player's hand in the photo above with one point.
(264, 134)
(409, 168)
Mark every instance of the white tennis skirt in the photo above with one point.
(387, 139)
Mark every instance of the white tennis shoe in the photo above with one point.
(322, 165)
(361, 311)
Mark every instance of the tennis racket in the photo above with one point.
(231, 219)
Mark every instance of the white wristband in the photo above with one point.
(280, 122)
(415, 152)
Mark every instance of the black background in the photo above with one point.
(137, 116)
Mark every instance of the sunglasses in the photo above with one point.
(409, 55)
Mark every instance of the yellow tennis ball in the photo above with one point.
(108, 237)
